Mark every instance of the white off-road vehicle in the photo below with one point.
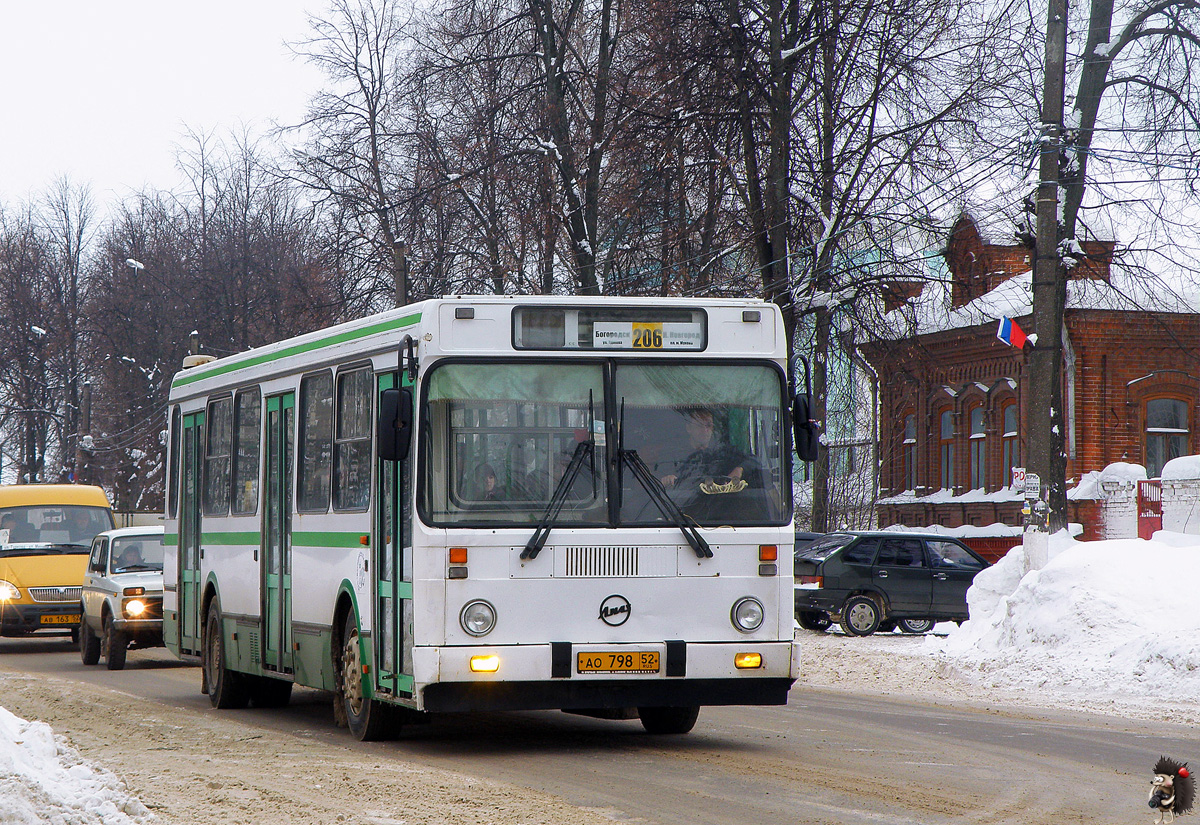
(122, 595)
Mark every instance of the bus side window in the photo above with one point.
(352, 441)
(217, 457)
(245, 452)
(315, 460)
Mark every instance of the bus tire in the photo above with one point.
(669, 720)
(89, 645)
(226, 688)
(115, 645)
(368, 719)
(266, 692)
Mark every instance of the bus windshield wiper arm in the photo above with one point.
(583, 450)
(665, 504)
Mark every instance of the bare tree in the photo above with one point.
(356, 145)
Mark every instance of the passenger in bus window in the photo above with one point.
(709, 458)
(485, 487)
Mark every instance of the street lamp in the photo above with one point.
(137, 265)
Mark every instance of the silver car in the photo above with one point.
(122, 595)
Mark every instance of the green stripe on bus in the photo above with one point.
(170, 539)
(194, 374)
(319, 539)
(248, 537)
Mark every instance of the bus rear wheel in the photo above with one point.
(368, 719)
(226, 689)
(669, 720)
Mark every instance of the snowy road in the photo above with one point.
(834, 754)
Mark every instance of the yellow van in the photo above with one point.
(46, 531)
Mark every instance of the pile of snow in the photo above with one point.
(1118, 617)
(43, 780)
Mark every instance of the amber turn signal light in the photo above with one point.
(458, 555)
(747, 661)
(485, 664)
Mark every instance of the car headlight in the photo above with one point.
(478, 618)
(747, 614)
(9, 592)
(134, 608)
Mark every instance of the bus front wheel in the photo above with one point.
(226, 688)
(368, 719)
(669, 720)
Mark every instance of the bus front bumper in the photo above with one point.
(544, 677)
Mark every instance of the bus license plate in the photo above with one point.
(69, 618)
(605, 661)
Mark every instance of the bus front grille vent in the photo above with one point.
(596, 562)
(254, 657)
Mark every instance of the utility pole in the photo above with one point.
(1045, 428)
(400, 272)
(83, 441)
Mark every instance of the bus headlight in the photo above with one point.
(9, 592)
(478, 618)
(747, 614)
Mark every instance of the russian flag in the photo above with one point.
(1011, 334)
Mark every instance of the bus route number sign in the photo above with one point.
(647, 336)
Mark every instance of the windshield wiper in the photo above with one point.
(583, 451)
(665, 504)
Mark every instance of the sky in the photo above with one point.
(105, 92)
(1080, 627)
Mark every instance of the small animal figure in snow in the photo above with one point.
(1172, 790)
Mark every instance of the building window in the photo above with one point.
(947, 449)
(1008, 439)
(978, 443)
(910, 452)
(1166, 433)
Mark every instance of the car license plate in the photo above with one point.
(607, 661)
(69, 618)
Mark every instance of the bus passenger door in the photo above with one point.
(276, 560)
(189, 533)
(393, 576)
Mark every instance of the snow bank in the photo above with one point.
(43, 781)
(1116, 617)
(1184, 468)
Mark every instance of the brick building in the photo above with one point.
(953, 400)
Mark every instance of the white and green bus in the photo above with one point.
(492, 503)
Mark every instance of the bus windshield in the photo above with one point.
(712, 437)
(67, 525)
(500, 436)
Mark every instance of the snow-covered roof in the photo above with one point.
(931, 311)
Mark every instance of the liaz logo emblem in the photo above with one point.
(615, 610)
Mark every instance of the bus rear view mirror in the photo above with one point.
(804, 429)
(395, 424)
